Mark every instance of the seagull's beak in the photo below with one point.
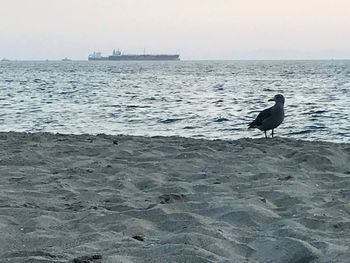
(272, 99)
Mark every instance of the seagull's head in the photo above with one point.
(278, 99)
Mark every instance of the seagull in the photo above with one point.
(270, 118)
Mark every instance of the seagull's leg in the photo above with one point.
(272, 133)
(265, 135)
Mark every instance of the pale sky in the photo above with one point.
(196, 29)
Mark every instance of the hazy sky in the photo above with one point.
(197, 29)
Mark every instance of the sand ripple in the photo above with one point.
(102, 198)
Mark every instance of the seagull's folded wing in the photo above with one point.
(261, 117)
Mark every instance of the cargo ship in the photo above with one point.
(118, 56)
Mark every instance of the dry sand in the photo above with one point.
(85, 198)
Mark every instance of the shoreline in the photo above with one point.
(120, 198)
(252, 138)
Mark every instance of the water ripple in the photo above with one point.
(187, 98)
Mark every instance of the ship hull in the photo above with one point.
(98, 58)
(136, 58)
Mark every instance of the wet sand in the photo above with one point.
(84, 198)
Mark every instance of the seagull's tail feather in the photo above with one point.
(252, 125)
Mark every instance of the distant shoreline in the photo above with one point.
(182, 60)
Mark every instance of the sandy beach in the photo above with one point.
(84, 198)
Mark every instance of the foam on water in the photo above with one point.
(209, 99)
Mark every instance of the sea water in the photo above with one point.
(201, 99)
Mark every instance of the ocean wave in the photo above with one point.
(171, 120)
(207, 99)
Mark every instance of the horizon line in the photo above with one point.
(195, 59)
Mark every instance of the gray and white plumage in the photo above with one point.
(270, 118)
